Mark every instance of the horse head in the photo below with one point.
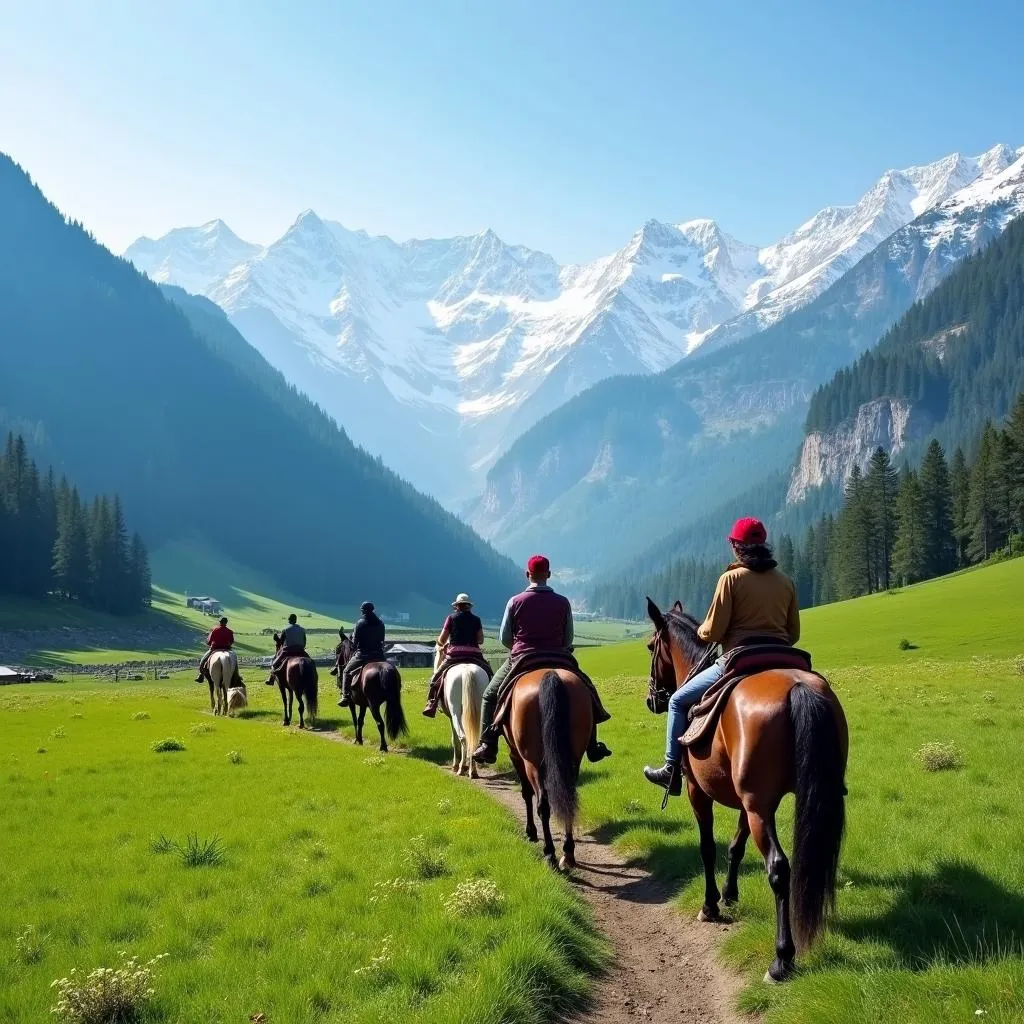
(675, 648)
(278, 640)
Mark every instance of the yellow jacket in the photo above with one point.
(748, 604)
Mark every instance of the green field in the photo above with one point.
(304, 919)
(930, 910)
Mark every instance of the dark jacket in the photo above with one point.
(368, 636)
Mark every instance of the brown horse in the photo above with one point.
(378, 683)
(548, 729)
(297, 680)
(782, 731)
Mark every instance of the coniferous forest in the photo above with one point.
(54, 542)
(896, 527)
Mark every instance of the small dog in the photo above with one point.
(237, 698)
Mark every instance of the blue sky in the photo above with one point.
(560, 125)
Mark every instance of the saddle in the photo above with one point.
(532, 661)
(740, 662)
(462, 656)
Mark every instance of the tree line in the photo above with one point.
(54, 542)
(895, 527)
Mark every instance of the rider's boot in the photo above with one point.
(433, 696)
(669, 777)
(596, 750)
(346, 693)
(487, 752)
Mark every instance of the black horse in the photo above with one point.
(378, 683)
(297, 680)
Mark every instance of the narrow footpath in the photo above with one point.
(664, 968)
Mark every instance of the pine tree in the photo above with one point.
(854, 548)
(140, 581)
(983, 509)
(1015, 464)
(880, 486)
(960, 483)
(937, 495)
(909, 559)
(785, 555)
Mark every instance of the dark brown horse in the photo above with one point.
(378, 683)
(782, 731)
(548, 729)
(297, 680)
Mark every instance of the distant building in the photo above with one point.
(206, 605)
(411, 655)
(396, 617)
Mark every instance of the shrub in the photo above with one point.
(29, 945)
(140, 716)
(58, 733)
(476, 896)
(905, 645)
(235, 756)
(165, 745)
(940, 757)
(105, 995)
(163, 845)
(202, 729)
(425, 859)
(444, 805)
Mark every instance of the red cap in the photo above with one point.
(538, 565)
(748, 531)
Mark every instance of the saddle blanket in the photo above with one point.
(463, 656)
(740, 663)
(533, 661)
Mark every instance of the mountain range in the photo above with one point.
(437, 355)
(150, 392)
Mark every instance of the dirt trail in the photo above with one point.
(664, 968)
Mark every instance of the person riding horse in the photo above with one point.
(220, 638)
(536, 620)
(462, 637)
(368, 638)
(293, 645)
(753, 600)
(339, 650)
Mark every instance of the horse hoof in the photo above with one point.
(779, 973)
(531, 835)
(708, 915)
(474, 774)
(566, 864)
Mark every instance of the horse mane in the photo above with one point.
(683, 628)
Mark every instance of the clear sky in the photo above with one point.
(562, 126)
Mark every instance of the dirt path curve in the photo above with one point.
(664, 968)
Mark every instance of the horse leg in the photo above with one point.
(762, 827)
(302, 710)
(457, 754)
(544, 809)
(568, 861)
(213, 706)
(355, 724)
(359, 727)
(704, 811)
(375, 711)
(738, 846)
(527, 791)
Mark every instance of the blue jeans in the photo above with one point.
(683, 699)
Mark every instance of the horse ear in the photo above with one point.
(678, 607)
(654, 613)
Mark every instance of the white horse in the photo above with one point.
(464, 687)
(223, 669)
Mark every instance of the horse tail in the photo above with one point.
(820, 809)
(394, 716)
(559, 776)
(471, 697)
(310, 686)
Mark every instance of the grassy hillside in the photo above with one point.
(930, 912)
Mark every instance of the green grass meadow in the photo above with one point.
(290, 925)
(930, 914)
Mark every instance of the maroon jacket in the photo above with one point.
(538, 619)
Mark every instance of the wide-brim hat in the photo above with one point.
(462, 599)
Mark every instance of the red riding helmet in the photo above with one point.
(748, 531)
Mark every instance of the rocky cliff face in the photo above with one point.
(828, 457)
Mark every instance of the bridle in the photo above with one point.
(658, 695)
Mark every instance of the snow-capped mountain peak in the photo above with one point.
(408, 343)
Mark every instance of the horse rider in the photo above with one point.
(753, 600)
(463, 636)
(537, 619)
(220, 638)
(340, 649)
(293, 645)
(368, 639)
